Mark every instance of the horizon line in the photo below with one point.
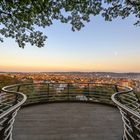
(67, 72)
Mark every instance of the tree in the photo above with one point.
(19, 18)
(7, 80)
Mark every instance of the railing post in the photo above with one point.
(18, 88)
(88, 91)
(48, 91)
(17, 95)
(116, 88)
(68, 91)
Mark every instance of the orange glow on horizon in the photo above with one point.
(82, 68)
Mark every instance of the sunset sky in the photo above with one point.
(100, 46)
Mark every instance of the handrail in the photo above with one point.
(19, 104)
(15, 96)
(35, 94)
(10, 102)
(114, 99)
(129, 106)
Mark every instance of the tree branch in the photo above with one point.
(2, 12)
(134, 3)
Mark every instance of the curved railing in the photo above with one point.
(14, 97)
(129, 106)
(58, 92)
(10, 102)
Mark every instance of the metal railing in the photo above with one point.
(129, 106)
(12, 97)
(10, 102)
(58, 92)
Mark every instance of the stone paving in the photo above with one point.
(68, 121)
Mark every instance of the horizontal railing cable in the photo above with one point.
(14, 96)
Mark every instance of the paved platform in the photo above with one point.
(68, 121)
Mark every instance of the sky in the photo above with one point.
(100, 46)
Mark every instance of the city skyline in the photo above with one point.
(99, 46)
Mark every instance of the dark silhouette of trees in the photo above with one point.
(19, 18)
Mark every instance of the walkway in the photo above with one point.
(68, 121)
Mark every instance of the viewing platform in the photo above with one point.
(68, 121)
(69, 111)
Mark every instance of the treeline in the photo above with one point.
(7, 80)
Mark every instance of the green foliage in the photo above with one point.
(138, 94)
(7, 80)
(18, 18)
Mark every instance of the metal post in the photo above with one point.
(116, 88)
(48, 91)
(18, 88)
(88, 91)
(17, 95)
(68, 91)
